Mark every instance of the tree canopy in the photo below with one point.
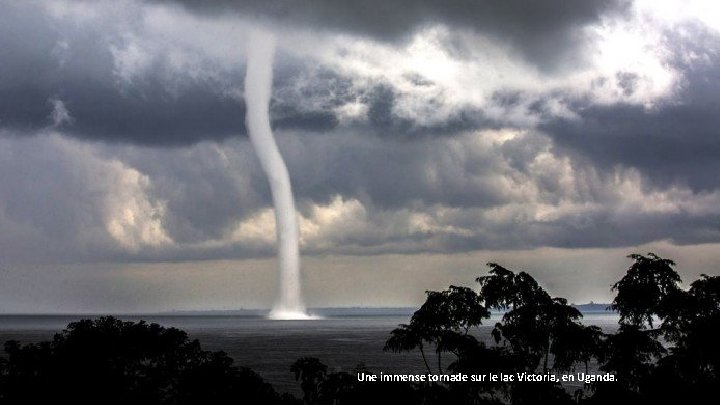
(109, 361)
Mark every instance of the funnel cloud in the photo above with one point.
(258, 85)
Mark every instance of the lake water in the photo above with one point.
(270, 347)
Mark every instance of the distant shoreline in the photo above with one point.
(323, 311)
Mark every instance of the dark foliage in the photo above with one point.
(536, 325)
(665, 349)
(442, 322)
(341, 388)
(687, 366)
(640, 293)
(107, 361)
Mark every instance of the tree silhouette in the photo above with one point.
(649, 281)
(407, 338)
(114, 362)
(310, 372)
(535, 324)
(689, 368)
(630, 354)
(665, 349)
(691, 322)
(441, 321)
(323, 388)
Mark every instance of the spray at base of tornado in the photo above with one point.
(258, 86)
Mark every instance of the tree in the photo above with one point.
(340, 388)
(691, 321)
(689, 368)
(114, 362)
(407, 338)
(630, 354)
(535, 324)
(310, 372)
(640, 293)
(441, 321)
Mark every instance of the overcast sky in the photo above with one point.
(423, 139)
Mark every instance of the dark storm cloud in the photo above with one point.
(31, 73)
(415, 189)
(126, 203)
(312, 120)
(676, 144)
(45, 60)
(203, 192)
(676, 141)
(161, 106)
(39, 64)
(539, 29)
(599, 229)
(382, 120)
(164, 107)
(391, 173)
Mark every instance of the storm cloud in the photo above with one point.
(409, 129)
(356, 195)
(674, 142)
(545, 32)
(166, 74)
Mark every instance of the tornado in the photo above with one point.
(258, 88)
